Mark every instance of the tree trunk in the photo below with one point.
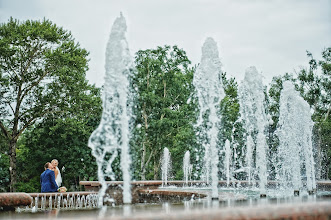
(142, 165)
(12, 164)
(143, 156)
(157, 164)
(155, 170)
(319, 174)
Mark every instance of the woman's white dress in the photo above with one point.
(58, 179)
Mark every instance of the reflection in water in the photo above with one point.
(164, 208)
(127, 210)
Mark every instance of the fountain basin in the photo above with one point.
(176, 191)
(168, 195)
(314, 210)
(190, 210)
(145, 191)
(181, 200)
(95, 185)
(9, 201)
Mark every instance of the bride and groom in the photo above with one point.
(51, 179)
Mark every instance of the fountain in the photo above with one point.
(187, 167)
(112, 135)
(249, 158)
(166, 166)
(295, 155)
(208, 84)
(66, 201)
(252, 110)
(227, 161)
(295, 165)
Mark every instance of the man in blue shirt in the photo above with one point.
(47, 179)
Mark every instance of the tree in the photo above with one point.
(232, 129)
(4, 165)
(61, 138)
(42, 72)
(315, 88)
(164, 112)
(273, 98)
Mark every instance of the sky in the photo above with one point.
(272, 35)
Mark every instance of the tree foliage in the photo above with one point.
(42, 72)
(232, 129)
(59, 138)
(48, 110)
(164, 111)
(315, 88)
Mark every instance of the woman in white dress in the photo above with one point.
(58, 178)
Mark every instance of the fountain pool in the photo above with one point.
(234, 203)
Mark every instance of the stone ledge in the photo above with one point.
(324, 183)
(64, 194)
(160, 195)
(8, 201)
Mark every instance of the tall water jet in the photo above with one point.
(113, 133)
(249, 158)
(187, 167)
(252, 111)
(295, 154)
(165, 166)
(227, 161)
(208, 84)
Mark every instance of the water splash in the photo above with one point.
(208, 84)
(112, 135)
(295, 154)
(249, 157)
(187, 167)
(69, 202)
(227, 161)
(252, 110)
(166, 166)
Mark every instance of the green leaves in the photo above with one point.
(43, 80)
(64, 139)
(42, 73)
(164, 84)
(315, 88)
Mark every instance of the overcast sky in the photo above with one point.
(272, 35)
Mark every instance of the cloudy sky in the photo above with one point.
(272, 35)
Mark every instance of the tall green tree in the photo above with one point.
(165, 112)
(232, 128)
(42, 72)
(315, 88)
(273, 104)
(64, 139)
(4, 165)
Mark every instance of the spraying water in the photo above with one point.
(249, 157)
(227, 161)
(252, 110)
(166, 166)
(187, 167)
(295, 154)
(208, 84)
(112, 135)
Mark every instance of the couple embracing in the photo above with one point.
(50, 179)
